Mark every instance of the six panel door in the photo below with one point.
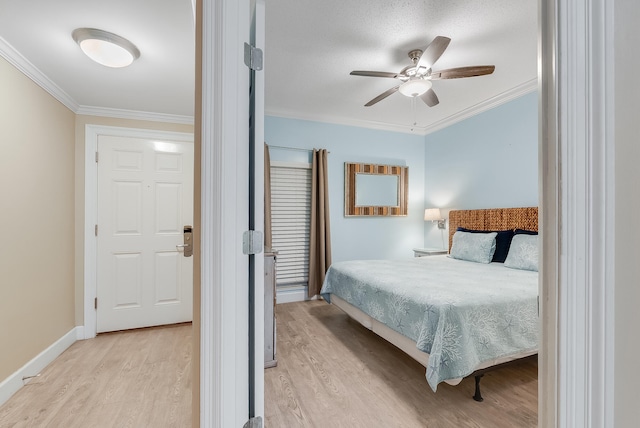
(145, 198)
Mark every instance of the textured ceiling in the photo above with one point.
(311, 47)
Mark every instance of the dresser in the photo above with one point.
(269, 308)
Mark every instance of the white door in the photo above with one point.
(145, 199)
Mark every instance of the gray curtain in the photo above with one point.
(320, 236)
(267, 198)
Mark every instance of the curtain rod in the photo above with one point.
(292, 148)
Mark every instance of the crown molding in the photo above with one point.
(481, 107)
(134, 115)
(504, 97)
(31, 71)
(27, 68)
(16, 59)
(336, 120)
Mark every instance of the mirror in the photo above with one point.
(375, 190)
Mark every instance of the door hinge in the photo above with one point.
(97, 157)
(95, 303)
(252, 242)
(255, 422)
(252, 57)
(95, 230)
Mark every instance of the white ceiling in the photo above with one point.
(161, 81)
(311, 48)
(313, 45)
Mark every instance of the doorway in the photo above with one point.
(561, 389)
(167, 304)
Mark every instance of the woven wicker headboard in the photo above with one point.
(493, 219)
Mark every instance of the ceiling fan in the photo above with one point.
(416, 78)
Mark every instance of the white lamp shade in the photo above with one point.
(432, 214)
(415, 87)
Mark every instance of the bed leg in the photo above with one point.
(477, 396)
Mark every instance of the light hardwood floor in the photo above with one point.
(139, 378)
(332, 372)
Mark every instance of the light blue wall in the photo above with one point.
(358, 237)
(487, 161)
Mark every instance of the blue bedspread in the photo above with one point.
(461, 313)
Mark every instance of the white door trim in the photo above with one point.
(258, 212)
(224, 212)
(576, 184)
(578, 212)
(91, 205)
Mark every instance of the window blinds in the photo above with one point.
(290, 221)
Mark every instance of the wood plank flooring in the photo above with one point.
(138, 378)
(332, 372)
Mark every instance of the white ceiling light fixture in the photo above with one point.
(106, 48)
(415, 86)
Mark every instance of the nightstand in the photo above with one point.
(422, 252)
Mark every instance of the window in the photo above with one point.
(290, 221)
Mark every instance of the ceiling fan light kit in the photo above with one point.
(415, 87)
(106, 48)
(417, 77)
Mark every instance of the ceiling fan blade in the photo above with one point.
(430, 98)
(374, 73)
(382, 96)
(433, 52)
(460, 72)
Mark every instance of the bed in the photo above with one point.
(456, 317)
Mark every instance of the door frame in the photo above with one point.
(577, 197)
(92, 132)
(221, 396)
(576, 48)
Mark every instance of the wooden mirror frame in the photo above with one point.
(350, 171)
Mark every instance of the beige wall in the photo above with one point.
(42, 188)
(627, 203)
(37, 218)
(81, 122)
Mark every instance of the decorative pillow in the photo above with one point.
(474, 247)
(503, 241)
(526, 232)
(523, 253)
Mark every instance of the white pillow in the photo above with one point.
(474, 247)
(523, 253)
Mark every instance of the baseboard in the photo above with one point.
(79, 332)
(292, 294)
(14, 382)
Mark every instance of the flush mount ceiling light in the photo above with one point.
(106, 48)
(415, 87)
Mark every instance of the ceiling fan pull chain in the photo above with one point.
(415, 114)
(413, 108)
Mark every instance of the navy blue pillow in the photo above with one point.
(503, 242)
(526, 232)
